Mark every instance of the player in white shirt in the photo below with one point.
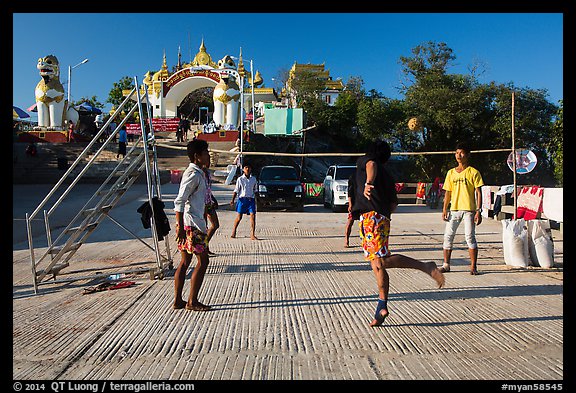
(191, 236)
(246, 190)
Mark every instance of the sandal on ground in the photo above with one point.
(445, 268)
(474, 272)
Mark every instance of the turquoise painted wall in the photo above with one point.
(283, 121)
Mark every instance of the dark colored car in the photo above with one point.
(279, 186)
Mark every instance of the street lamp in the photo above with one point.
(242, 104)
(253, 103)
(70, 76)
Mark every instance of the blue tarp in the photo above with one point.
(86, 107)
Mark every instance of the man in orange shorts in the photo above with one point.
(191, 231)
(375, 200)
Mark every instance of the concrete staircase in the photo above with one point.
(53, 159)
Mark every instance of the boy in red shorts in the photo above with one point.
(375, 200)
(191, 232)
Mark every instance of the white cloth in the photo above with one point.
(507, 189)
(245, 187)
(190, 198)
(553, 204)
(486, 200)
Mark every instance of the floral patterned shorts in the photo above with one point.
(196, 241)
(374, 232)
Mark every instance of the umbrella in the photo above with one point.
(87, 108)
(33, 108)
(18, 113)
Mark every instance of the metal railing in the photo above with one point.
(95, 210)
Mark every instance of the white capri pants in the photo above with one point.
(455, 217)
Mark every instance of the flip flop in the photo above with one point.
(122, 284)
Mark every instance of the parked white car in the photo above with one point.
(336, 186)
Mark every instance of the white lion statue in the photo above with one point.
(50, 102)
(226, 96)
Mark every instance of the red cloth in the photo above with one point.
(529, 202)
(421, 190)
(400, 187)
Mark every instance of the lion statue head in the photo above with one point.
(226, 62)
(49, 67)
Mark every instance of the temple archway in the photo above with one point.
(181, 84)
(166, 90)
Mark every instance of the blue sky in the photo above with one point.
(523, 48)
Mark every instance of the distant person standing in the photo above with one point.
(180, 130)
(122, 140)
(246, 190)
(463, 186)
(375, 201)
(111, 127)
(70, 136)
(185, 129)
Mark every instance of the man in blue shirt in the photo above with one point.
(122, 139)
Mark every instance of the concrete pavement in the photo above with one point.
(294, 305)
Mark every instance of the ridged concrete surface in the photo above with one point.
(294, 305)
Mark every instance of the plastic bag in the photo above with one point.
(515, 242)
(540, 243)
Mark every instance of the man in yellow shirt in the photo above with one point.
(463, 194)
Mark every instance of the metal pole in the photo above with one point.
(147, 137)
(241, 120)
(69, 82)
(514, 161)
(70, 77)
(253, 113)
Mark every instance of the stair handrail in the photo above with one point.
(148, 138)
(76, 162)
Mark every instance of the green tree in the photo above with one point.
(456, 107)
(556, 145)
(378, 118)
(305, 87)
(115, 96)
(90, 100)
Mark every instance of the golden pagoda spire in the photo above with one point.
(164, 66)
(241, 69)
(179, 65)
(202, 57)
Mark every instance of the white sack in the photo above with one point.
(540, 243)
(515, 242)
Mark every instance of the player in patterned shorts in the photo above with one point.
(191, 232)
(374, 201)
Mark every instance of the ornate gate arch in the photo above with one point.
(167, 91)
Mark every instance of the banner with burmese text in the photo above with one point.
(159, 124)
